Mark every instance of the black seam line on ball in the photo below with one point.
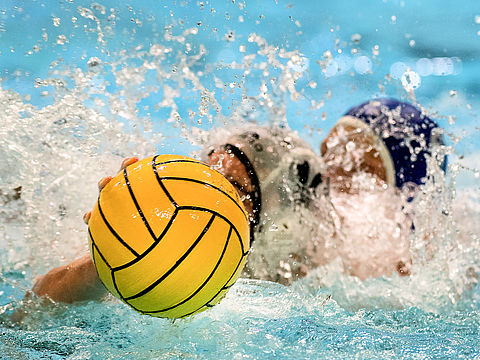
(207, 304)
(154, 167)
(94, 249)
(137, 205)
(177, 263)
(203, 284)
(151, 247)
(211, 167)
(178, 161)
(120, 294)
(227, 286)
(224, 287)
(209, 185)
(114, 233)
(220, 216)
(112, 274)
(94, 246)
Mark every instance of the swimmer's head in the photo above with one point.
(270, 166)
(386, 138)
(278, 176)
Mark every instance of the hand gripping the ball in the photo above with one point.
(104, 181)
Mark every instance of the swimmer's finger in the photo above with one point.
(128, 161)
(103, 182)
(86, 217)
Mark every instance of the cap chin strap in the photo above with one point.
(255, 195)
(380, 145)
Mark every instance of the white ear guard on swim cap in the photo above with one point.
(286, 169)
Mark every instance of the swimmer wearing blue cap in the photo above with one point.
(383, 145)
(398, 136)
(283, 184)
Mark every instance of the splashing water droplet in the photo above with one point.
(62, 39)
(56, 21)
(411, 80)
(356, 38)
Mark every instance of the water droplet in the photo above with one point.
(273, 227)
(93, 61)
(363, 65)
(411, 80)
(62, 39)
(356, 38)
(350, 146)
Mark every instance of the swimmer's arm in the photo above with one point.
(76, 281)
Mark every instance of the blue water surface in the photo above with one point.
(257, 320)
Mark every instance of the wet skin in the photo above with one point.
(335, 146)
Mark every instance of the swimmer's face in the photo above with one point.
(348, 151)
(235, 171)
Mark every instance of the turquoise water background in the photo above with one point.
(371, 43)
(347, 52)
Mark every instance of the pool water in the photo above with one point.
(85, 84)
(257, 320)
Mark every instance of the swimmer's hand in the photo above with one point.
(78, 280)
(104, 181)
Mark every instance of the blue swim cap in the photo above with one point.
(406, 135)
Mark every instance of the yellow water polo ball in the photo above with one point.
(169, 236)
